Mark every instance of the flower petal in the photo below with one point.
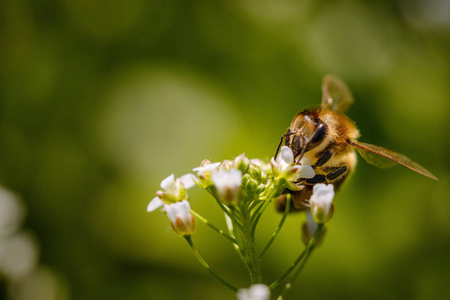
(168, 182)
(154, 204)
(228, 185)
(286, 155)
(306, 172)
(323, 192)
(321, 202)
(179, 213)
(208, 168)
(187, 180)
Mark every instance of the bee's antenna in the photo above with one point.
(288, 133)
(303, 151)
(301, 155)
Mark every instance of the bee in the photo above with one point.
(326, 139)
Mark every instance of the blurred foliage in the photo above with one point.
(100, 100)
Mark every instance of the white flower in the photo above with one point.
(179, 213)
(228, 185)
(255, 292)
(321, 202)
(174, 190)
(284, 166)
(205, 171)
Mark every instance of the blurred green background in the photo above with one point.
(100, 100)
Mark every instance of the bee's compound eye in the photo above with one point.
(319, 134)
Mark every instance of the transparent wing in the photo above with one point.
(335, 94)
(384, 158)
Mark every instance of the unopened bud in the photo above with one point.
(226, 165)
(251, 187)
(255, 172)
(241, 163)
(204, 163)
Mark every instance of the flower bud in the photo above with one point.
(179, 213)
(226, 165)
(228, 185)
(321, 202)
(255, 172)
(241, 163)
(204, 163)
(251, 186)
(266, 168)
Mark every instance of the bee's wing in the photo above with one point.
(335, 94)
(384, 158)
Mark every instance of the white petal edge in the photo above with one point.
(286, 155)
(208, 168)
(179, 209)
(324, 191)
(187, 180)
(306, 172)
(168, 182)
(154, 204)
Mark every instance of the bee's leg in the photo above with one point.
(332, 175)
(299, 199)
(336, 173)
(317, 179)
(323, 159)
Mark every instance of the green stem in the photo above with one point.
(220, 231)
(228, 212)
(267, 202)
(277, 230)
(297, 261)
(249, 250)
(254, 215)
(288, 285)
(236, 234)
(254, 204)
(206, 266)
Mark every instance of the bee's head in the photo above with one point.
(307, 131)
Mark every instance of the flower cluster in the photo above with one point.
(243, 188)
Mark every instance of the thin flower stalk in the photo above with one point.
(213, 227)
(299, 258)
(277, 230)
(288, 286)
(206, 266)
